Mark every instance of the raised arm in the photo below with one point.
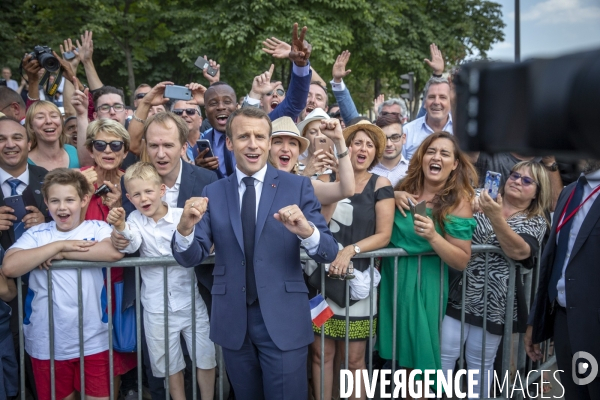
(80, 101)
(331, 192)
(84, 53)
(340, 91)
(69, 89)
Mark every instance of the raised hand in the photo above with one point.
(262, 84)
(80, 99)
(212, 79)
(301, 49)
(68, 46)
(378, 101)
(437, 60)
(197, 92)
(332, 129)
(155, 96)
(85, 48)
(339, 67)
(277, 48)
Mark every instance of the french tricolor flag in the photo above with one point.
(320, 311)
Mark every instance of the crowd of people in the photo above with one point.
(253, 181)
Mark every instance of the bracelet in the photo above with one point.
(31, 98)
(342, 155)
(141, 121)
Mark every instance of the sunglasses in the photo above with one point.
(140, 95)
(280, 92)
(188, 111)
(525, 180)
(115, 145)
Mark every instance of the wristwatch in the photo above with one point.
(356, 249)
(552, 167)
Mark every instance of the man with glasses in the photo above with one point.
(393, 165)
(139, 93)
(190, 112)
(109, 103)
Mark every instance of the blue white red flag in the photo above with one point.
(320, 311)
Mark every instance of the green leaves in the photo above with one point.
(163, 38)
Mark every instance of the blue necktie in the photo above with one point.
(563, 239)
(18, 226)
(248, 229)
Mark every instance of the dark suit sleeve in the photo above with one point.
(311, 208)
(200, 247)
(295, 100)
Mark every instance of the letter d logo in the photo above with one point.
(583, 367)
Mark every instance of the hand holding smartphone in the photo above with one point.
(202, 63)
(492, 183)
(419, 208)
(204, 144)
(18, 205)
(175, 92)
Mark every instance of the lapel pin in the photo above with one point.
(37, 191)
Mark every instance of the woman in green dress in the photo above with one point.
(441, 175)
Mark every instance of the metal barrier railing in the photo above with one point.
(529, 278)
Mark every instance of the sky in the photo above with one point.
(549, 28)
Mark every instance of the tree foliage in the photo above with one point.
(139, 41)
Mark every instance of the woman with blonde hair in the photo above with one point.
(47, 138)
(515, 222)
(440, 175)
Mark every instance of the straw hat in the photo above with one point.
(373, 129)
(285, 126)
(318, 114)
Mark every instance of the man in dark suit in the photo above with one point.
(166, 135)
(567, 303)
(257, 219)
(18, 178)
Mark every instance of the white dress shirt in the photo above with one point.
(153, 239)
(172, 194)
(593, 180)
(395, 174)
(416, 131)
(5, 176)
(310, 244)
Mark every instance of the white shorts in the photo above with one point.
(180, 322)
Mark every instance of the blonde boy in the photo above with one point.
(150, 229)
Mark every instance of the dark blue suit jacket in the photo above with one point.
(582, 276)
(282, 293)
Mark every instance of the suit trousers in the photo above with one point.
(259, 370)
(564, 358)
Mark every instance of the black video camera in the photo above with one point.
(45, 57)
(536, 107)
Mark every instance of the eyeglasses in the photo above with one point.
(140, 95)
(115, 145)
(395, 138)
(280, 92)
(106, 108)
(188, 111)
(397, 114)
(525, 180)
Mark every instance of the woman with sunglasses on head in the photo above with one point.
(440, 175)
(48, 139)
(516, 223)
(107, 141)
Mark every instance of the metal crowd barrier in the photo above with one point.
(530, 280)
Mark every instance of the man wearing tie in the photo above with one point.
(567, 304)
(18, 178)
(257, 219)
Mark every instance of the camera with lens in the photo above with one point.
(45, 57)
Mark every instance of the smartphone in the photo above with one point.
(321, 144)
(69, 55)
(175, 92)
(102, 190)
(204, 144)
(492, 183)
(202, 63)
(419, 208)
(17, 204)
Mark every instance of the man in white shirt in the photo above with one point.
(10, 83)
(437, 117)
(393, 165)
